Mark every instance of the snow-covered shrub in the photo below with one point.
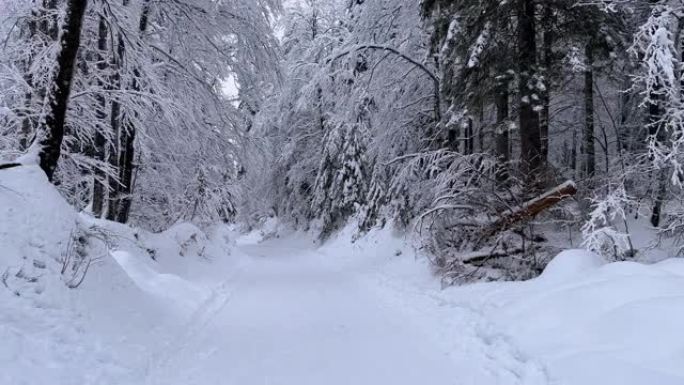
(604, 231)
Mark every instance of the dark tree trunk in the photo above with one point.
(113, 152)
(532, 160)
(481, 132)
(126, 164)
(573, 152)
(661, 195)
(58, 102)
(453, 142)
(26, 121)
(589, 147)
(469, 140)
(100, 141)
(655, 129)
(502, 141)
(545, 121)
(126, 168)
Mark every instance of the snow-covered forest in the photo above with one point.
(341, 191)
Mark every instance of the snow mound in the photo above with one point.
(188, 239)
(592, 322)
(673, 266)
(166, 286)
(46, 328)
(571, 264)
(110, 324)
(35, 228)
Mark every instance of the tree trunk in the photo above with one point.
(533, 207)
(532, 160)
(99, 187)
(545, 121)
(573, 152)
(655, 129)
(661, 195)
(126, 168)
(51, 143)
(469, 140)
(481, 140)
(120, 206)
(113, 149)
(126, 159)
(502, 141)
(589, 148)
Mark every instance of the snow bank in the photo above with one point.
(591, 322)
(583, 321)
(569, 264)
(170, 287)
(125, 311)
(45, 328)
(35, 227)
(614, 324)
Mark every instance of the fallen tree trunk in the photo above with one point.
(533, 207)
(9, 165)
(477, 258)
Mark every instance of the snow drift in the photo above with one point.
(584, 321)
(135, 294)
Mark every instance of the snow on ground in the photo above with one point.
(582, 322)
(206, 308)
(124, 313)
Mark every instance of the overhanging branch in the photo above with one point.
(406, 58)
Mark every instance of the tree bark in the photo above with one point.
(655, 129)
(661, 195)
(589, 147)
(532, 160)
(126, 159)
(469, 140)
(7, 166)
(100, 142)
(545, 121)
(533, 207)
(51, 143)
(573, 153)
(502, 140)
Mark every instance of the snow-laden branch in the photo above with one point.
(406, 58)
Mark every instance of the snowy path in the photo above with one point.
(295, 318)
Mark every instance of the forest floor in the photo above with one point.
(223, 308)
